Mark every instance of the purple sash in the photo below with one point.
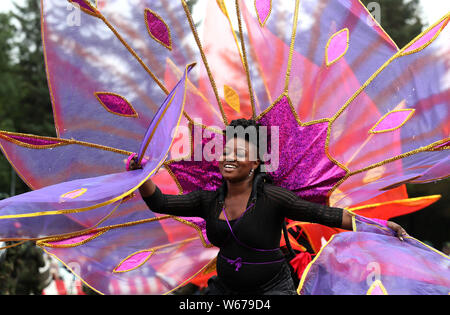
(238, 262)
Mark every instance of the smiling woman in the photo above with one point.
(240, 157)
(244, 217)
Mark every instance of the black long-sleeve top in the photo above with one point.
(260, 227)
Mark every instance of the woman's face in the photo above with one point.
(238, 159)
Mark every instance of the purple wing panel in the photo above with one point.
(397, 127)
(163, 253)
(373, 261)
(92, 193)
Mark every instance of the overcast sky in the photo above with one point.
(432, 9)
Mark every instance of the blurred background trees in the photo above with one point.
(25, 106)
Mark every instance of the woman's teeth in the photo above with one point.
(230, 166)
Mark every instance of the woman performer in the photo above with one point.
(244, 219)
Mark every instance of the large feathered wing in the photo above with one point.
(351, 115)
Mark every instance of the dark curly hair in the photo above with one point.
(260, 177)
(250, 132)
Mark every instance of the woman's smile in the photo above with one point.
(235, 164)
(229, 167)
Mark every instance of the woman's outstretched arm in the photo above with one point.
(297, 209)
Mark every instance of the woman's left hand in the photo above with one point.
(399, 231)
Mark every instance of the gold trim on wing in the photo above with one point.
(387, 161)
(72, 271)
(306, 271)
(262, 23)
(357, 93)
(401, 156)
(14, 245)
(405, 237)
(205, 61)
(48, 242)
(152, 252)
(71, 234)
(47, 72)
(384, 66)
(447, 16)
(223, 8)
(375, 284)
(327, 61)
(156, 126)
(133, 53)
(195, 91)
(61, 142)
(147, 10)
(411, 110)
(244, 53)
(188, 156)
(291, 47)
(79, 192)
(379, 25)
(94, 11)
(45, 241)
(135, 114)
(197, 228)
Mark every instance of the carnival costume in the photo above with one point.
(356, 118)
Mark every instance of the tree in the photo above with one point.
(24, 107)
(399, 18)
(8, 93)
(34, 113)
(25, 104)
(19, 270)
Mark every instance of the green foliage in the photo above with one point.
(19, 270)
(24, 96)
(399, 18)
(33, 112)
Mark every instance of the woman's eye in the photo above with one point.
(241, 154)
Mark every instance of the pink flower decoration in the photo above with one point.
(263, 8)
(392, 120)
(116, 104)
(337, 46)
(29, 141)
(158, 29)
(73, 241)
(133, 261)
(426, 38)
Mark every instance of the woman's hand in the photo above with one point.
(347, 225)
(147, 188)
(399, 231)
(133, 164)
